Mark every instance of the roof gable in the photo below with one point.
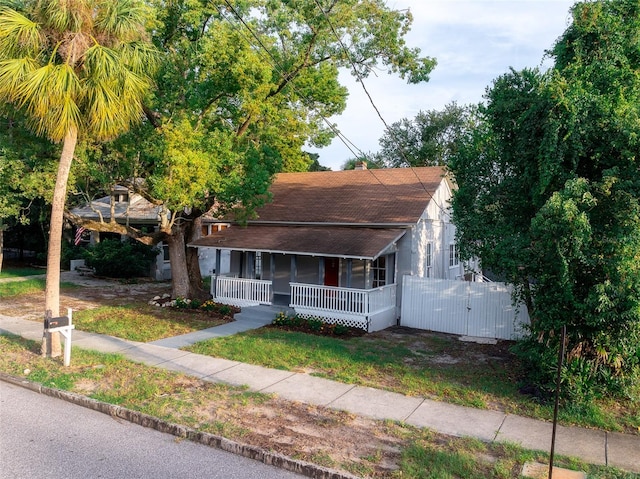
(381, 196)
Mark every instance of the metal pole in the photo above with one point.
(555, 408)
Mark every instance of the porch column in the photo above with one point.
(272, 272)
(349, 271)
(321, 271)
(214, 280)
(294, 268)
(218, 261)
(367, 274)
(272, 265)
(251, 264)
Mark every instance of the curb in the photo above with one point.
(252, 452)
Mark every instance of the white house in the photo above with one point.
(335, 245)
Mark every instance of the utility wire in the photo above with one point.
(274, 63)
(360, 79)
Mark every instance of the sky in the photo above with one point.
(473, 41)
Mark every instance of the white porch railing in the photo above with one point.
(355, 303)
(241, 291)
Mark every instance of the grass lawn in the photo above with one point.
(11, 272)
(433, 366)
(242, 416)
(143, 322)
(16, 288)
(430, 365)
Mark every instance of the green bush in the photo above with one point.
(120, 259)
(69, 252)
(315, 324)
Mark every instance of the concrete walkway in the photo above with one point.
(595, 447)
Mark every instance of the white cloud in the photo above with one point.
(474, 42)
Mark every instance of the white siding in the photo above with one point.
(434, 227)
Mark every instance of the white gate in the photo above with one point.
(461, 307)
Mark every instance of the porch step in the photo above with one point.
(263, 314)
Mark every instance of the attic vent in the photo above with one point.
(361, 165)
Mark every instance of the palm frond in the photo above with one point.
(67, 16)
(123, 19)
(88, 71)
(12, 74)
(100, 62)
(140, 57)
(50, 95)
(19, 35)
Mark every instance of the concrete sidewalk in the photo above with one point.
(596, 447)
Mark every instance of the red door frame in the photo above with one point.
(331, 271)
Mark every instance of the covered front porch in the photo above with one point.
(339, 275)
(369, 309)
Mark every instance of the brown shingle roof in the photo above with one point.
(385, 196)
(362, 243)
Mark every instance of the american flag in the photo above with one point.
(79, 232)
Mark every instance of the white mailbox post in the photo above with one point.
(64, 326)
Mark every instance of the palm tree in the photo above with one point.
(76, 67)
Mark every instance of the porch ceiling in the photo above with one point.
(360, 243)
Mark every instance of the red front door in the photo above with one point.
(331, 271)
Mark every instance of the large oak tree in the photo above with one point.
(244, 86)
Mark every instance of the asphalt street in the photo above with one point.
(44, 437)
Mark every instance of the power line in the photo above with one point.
(274, 63)
(360, 79)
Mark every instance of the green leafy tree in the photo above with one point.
(549, 198)
(315, 164)
(243, 87)
(372, 162)
(74, 68)
(26, 173)
(429, 139)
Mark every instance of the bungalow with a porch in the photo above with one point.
(335, 245)
(130, 208)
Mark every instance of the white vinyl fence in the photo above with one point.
(461, 307)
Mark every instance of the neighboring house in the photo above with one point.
(335, 245)
(130, 208)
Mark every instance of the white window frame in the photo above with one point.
(257, 265)
(428, 258)
(379, 272)
(454, 256)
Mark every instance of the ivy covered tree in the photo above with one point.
(549, 198)
(243, 87)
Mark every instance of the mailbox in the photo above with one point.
(51, 323)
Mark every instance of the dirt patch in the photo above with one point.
(89, 293)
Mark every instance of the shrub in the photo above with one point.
(182, 303)
(120, 259)
(314, 324)
(340, 329)
(69, 252)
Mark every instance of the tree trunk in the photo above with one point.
(51, 341)
(196, 290)
(178, 260)
(186, 279)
